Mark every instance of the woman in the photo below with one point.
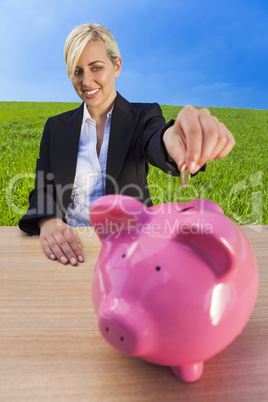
(105, 145)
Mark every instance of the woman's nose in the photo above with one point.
(87, 78)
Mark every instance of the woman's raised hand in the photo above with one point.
(197, 138)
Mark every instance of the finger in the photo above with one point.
(77, 238)
(230, 143)
(73, 241)
(178, 152)
(175, 146)
(80, 253)
(225, 142)
(62, 249)
(47, 249)
(211, 134)
(222, 139)
(189, 124)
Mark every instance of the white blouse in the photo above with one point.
(90, 176)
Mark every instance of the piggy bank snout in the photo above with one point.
(127, 330)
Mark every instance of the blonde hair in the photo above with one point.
(80, 36)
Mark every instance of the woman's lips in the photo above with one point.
(91, 94)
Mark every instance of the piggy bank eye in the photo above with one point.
(158, 268)
(123, 255)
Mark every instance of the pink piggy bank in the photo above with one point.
(174, 284)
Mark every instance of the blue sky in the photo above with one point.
(204, 53)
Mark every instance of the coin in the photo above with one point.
(185, 176)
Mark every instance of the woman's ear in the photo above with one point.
(118, 66)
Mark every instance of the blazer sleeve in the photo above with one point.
(42, 199)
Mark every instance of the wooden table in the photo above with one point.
(51, 349)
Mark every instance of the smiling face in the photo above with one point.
(94, 78)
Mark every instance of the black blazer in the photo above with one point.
(135, 141)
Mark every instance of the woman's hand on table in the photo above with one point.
(60, 241)
(197, 138)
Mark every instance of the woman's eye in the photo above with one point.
(77, 72)
(97, 68)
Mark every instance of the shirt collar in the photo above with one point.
(86, 115)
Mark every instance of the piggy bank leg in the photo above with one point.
(189, 373)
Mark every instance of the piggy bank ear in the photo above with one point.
(114, 213)
(213, 237)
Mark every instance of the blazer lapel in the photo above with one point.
(123, 125)
(64, 150)
(65, 144)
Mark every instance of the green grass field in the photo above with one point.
(238, 183)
